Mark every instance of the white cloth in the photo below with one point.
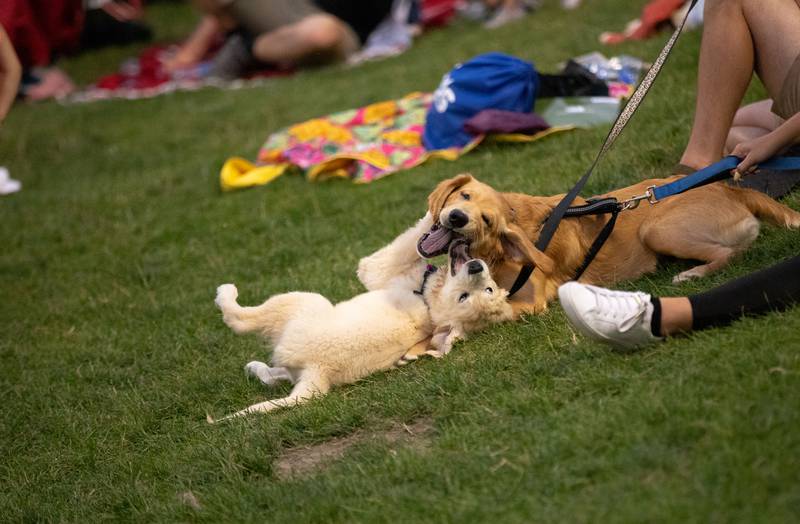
(7, 184)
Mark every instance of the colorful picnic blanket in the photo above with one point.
(362, 144)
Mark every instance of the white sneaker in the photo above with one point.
(620, 318)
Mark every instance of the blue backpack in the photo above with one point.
(488, 81)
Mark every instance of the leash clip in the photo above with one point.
(633, 202)
(651, 195)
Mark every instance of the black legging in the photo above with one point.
(774, 288)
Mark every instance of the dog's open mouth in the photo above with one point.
(436, 241)
(459, 254)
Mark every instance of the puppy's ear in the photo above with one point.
(443, 339)
(518, 246)
(439, 195)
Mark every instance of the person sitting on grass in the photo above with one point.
(281, 32)
(739, 37)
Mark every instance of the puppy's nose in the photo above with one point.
(457, 218)
(474, 267)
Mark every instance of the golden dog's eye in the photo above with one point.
(463, 297)
(486, 220)
(465, 196)
(489, 290)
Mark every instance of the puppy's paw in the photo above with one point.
(406, 359)
(256, 369)
(435, 353)
(793, 222)
(226, 293)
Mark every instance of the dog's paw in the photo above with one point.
(793, 222)
(539, 308)
(225, 294)
(406, 359)
(435, 353)
(256, 369)
(689, 274)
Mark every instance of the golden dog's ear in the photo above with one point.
(439, 195)
(518, 246)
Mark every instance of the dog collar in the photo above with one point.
(429, 270)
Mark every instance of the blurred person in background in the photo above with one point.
(285, 33)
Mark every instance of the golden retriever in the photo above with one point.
(711, 224)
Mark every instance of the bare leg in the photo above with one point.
(739, 37)
(752, 121)
(676, 315)
(10, 73)
(315, 39)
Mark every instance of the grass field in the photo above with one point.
(112, 352)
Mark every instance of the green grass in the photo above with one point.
(112, 352)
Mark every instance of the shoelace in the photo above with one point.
(625, 309)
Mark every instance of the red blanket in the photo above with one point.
(146, 77)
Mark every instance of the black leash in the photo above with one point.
(551, 224)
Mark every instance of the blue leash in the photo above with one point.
(713, 173)
(654, 194)
(560, 211)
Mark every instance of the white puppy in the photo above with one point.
(410, 308)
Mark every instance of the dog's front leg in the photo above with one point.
(397, 259)
(541, 292)
(532, 298)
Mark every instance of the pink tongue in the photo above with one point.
(436, 241)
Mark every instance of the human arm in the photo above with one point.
(756, 150)
(197, 45)
(10, 72)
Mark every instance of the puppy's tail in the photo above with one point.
(768, 209)
(232, 312)
(269, 318)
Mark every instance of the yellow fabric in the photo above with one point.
(239, 173)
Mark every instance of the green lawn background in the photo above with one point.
(112, 352)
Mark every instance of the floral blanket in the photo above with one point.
(362, 144)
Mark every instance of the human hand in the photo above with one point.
(754, 151)
(180, 59)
